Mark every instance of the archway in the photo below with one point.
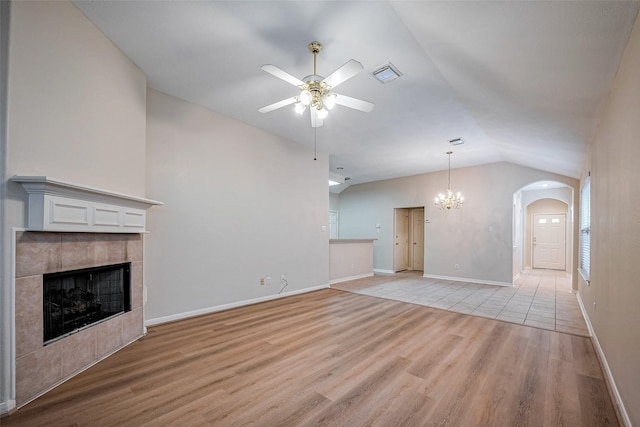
(529, 195)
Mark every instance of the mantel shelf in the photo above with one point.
(56, 205)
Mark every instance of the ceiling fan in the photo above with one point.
(315, 90)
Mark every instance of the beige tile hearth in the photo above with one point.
(539, 298)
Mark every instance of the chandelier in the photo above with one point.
(450, 200)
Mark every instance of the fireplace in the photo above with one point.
(74, 300)
(77, 287)
(70, 264)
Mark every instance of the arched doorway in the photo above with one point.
(543, 197)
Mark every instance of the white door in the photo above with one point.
(549, 241)
(333, 224)
(417, 239)
(401, 241)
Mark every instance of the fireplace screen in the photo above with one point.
(73, 300)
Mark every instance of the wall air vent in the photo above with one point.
(386, 73)
(457, 141)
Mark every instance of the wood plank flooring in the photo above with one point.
(340, 359)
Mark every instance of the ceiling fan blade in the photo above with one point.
(348, 70)
(356, 104)
(315, 121)
(278, 104)
(273, 70)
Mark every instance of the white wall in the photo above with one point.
(76, 111)
(240, 204)
(615, 230)
(478, 237)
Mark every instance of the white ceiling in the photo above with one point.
(521, 81)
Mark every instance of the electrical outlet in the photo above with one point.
(268, 280)
(457, 266)
(261, 281)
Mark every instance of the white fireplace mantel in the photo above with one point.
(56, 205)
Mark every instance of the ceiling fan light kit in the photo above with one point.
(315, 90)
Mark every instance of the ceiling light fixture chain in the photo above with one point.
(449, 200)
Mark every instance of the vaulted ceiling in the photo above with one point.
(520, 81)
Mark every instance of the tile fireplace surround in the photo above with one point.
(39, 368)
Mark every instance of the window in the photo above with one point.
(585, 228)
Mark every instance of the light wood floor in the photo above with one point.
(336, 358)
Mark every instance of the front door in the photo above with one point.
(549, 241)
(401, 243)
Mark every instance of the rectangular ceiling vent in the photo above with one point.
(386, 73)
(457, 141)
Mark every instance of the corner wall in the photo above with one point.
(611, 299)
(240, 204)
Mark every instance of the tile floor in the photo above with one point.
(538, 298)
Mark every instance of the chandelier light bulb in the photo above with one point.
(330, 102)
(322, 113)
(306, 97)
(300, 107)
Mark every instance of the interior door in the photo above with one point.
(401, 243)
(417, 239)
(333, 224)
(549, 241)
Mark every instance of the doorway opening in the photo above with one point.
(543, 228)
(408, 231)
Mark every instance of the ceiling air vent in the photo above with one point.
(386, 73)
(457, 141)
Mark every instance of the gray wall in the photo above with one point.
(478, 237)
(239, 204)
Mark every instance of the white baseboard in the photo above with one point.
(622, 411)
(6, 407)
(463, 279)
(213, 309)
(516, 277)
(346, 279)
(381, 271)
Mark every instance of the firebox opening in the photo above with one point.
(75, 300)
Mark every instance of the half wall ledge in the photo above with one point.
(57, 205)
